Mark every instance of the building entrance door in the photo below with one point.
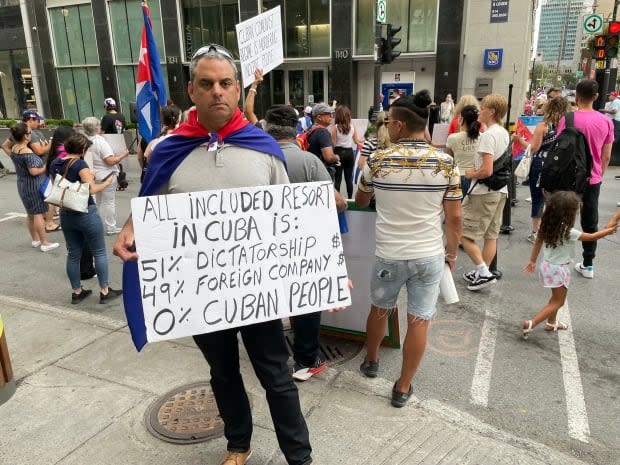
(305, 86)
(301, 86)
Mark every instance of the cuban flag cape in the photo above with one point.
(150, 87)
(166, 158)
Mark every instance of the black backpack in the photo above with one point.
(502, 171)
(569, 161)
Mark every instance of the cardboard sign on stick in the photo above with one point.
(226, 258)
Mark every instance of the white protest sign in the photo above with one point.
(226, 258)
(260, 44)
(440, 134)
(117, 142)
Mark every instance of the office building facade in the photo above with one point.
(85, 51)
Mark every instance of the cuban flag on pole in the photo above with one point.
(150, 88)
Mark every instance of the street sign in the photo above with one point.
(381, 11)
(592, 24)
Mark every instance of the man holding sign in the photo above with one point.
(218, 149)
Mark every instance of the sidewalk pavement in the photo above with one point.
(82, 392)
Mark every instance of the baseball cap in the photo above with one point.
(321, 108)
(281, 115)
(31, 114)
(109, 102)
(308, 110)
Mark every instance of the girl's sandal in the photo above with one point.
(527, 329)
(558, 325)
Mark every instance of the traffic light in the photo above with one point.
(612, 39)
(600, 43)
(388, 54)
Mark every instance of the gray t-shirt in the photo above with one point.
(228, 167)
(303, 166)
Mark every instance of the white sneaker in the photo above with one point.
(585, 271)
(36, 244)
(50, 246)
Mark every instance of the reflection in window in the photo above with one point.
(81, 92)
(73, 32)
(210, 21)
(306, 27)
(127, 21)
(77, 61)
(418, 19)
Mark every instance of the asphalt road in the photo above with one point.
(562, 390)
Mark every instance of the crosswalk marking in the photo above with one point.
(578, 426)
(12, 215)
(481, 382)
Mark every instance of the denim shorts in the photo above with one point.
(421, 275)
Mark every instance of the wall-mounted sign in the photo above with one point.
(499, 11)
(492, 58)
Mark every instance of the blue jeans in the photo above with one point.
(79, 229)
(538, 199)
(266, 347)
(420, 275)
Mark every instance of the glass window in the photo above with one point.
(126, 76)
(210, 21)
(422, 26)
(305, 25)
(85, 82)
(418, 19)
(317, 85)
(77, 60)
(364, 28)
(73, 31)
(126, 21)
(319, 28)
(278, 86)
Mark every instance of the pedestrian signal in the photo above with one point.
(600, 43)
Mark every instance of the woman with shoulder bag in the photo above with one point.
(542, 140)
(83, 228)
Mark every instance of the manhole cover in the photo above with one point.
(334, 350)
(186, 415)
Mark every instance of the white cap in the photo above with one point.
(109, 102)
(308, 110)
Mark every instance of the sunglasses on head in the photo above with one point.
(206, 49)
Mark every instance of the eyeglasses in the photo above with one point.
(206, 49)
(388, 121)
(328, 114)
